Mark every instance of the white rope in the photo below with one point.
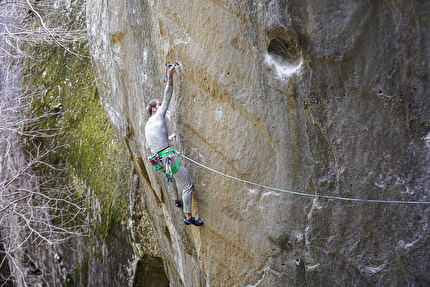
(301, 193)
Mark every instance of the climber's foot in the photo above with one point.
(178, 203)
(196, 222)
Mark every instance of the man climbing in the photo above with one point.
(163, 157)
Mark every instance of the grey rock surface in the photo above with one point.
(314, 97)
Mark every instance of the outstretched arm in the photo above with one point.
(167, 93)
(172, 70)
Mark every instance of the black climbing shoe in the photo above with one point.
(178, 203)
(196, 222)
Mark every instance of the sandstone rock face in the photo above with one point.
(313, 97)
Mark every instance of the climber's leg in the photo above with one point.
(184, 179)
(173, 189)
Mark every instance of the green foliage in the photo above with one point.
(89, 149)
(63, 86)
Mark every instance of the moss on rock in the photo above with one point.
(88, 146)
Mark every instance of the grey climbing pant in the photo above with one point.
(181, 176)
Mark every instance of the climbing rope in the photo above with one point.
(302, 193)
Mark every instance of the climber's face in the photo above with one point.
(154, 109)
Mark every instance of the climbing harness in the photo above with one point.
(161, 159)
(164, 155)
(165, 78)
(302, 193)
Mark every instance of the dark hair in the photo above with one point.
(151, 105)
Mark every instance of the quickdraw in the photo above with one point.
(168, 173)
(165, 78)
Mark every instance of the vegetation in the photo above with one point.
(88, 146)
(75, 174)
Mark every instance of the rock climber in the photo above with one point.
(163, 157)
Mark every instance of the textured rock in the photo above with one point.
(323, 98)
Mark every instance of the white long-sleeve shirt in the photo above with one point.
(156, 129)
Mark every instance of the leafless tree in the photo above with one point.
(34, 210)
(27, 23)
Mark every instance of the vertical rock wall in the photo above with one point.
(321, 98)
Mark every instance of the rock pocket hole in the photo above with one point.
(284, 55)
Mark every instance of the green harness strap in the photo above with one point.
(166, 152)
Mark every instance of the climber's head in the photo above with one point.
(153, 106)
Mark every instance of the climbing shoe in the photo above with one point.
(196, 222)
(178, 203)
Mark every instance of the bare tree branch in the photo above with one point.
(33, 210)
(49, 31)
